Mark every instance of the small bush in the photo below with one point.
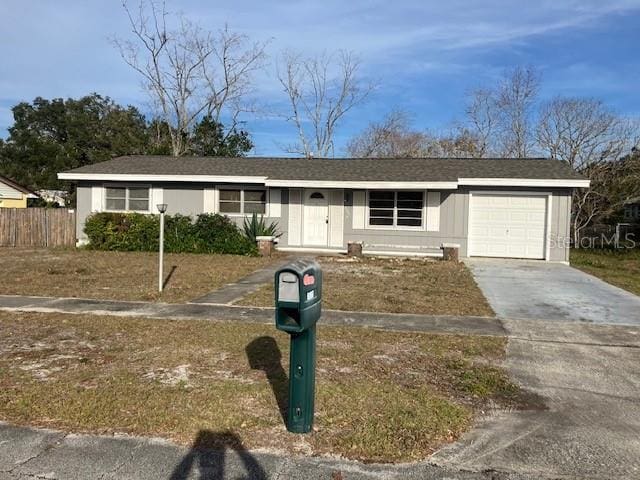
(138, 232)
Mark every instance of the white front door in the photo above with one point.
(316, 218)
(507, 225)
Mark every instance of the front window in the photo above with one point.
(238, 201)
(396, 209)
(135, 199)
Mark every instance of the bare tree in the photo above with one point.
(392, 137)
(482, 115)
(516, 100)
(501, 118)
(189, 72)
(319, 98)
(590, 138)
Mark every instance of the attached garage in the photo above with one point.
(509, 224)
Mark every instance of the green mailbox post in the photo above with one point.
(298, 288)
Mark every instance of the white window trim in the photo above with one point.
(547, 227)
(394, 227)
(126, 186)
(242, 190)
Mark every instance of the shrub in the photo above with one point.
(256, 228)
(138, 232)
(227, 238)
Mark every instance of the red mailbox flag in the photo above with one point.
(308, 280)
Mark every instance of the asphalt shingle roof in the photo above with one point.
(339, 169)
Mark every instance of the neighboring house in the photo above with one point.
(54, 196)
(490, 207)
(631, 210)
(13, 195)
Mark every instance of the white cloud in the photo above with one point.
(61, 48)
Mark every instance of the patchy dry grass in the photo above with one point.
(617, 267)
(381, 396)
(117, 275)
(393, 285)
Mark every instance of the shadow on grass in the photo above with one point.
(208, 454)
(263, 354)
(171, 272)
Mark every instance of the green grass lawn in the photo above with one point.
(617, 267)
(381, 396)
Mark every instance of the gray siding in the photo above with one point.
(560, 228)
(183, 199)
(453, 229)
(83, 208)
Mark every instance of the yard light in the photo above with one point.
(162, 208)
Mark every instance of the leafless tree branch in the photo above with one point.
(186, 71)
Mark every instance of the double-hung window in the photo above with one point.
(240, 201)
(403, 209)
(134, 199)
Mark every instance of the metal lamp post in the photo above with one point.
(162, 208)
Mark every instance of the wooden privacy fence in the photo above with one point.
(37, 227)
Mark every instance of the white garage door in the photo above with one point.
(511, 226)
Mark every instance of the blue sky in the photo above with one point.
(424, 55)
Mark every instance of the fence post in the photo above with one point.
(14, 224)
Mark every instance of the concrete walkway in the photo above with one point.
(243, 287)
(589, 379)
(167, 311)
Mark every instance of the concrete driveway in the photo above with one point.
(588, 379)
(520, 289)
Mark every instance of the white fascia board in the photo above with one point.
(121, 177)
(362, 185)
(523, 182)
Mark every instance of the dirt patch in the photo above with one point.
(118, 275)
(381, 396)
(393, 285)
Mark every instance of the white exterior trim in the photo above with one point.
(384, 253)
(393, 253)
(97, 195)
(156, 197)
(358, 209)
(434, 200)
(312, 249)
(496, 182)
(294, 229)
(126, 177)
(522, 182)
(547, 227)
(361, 184)
(209, 200)
(336, 218)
